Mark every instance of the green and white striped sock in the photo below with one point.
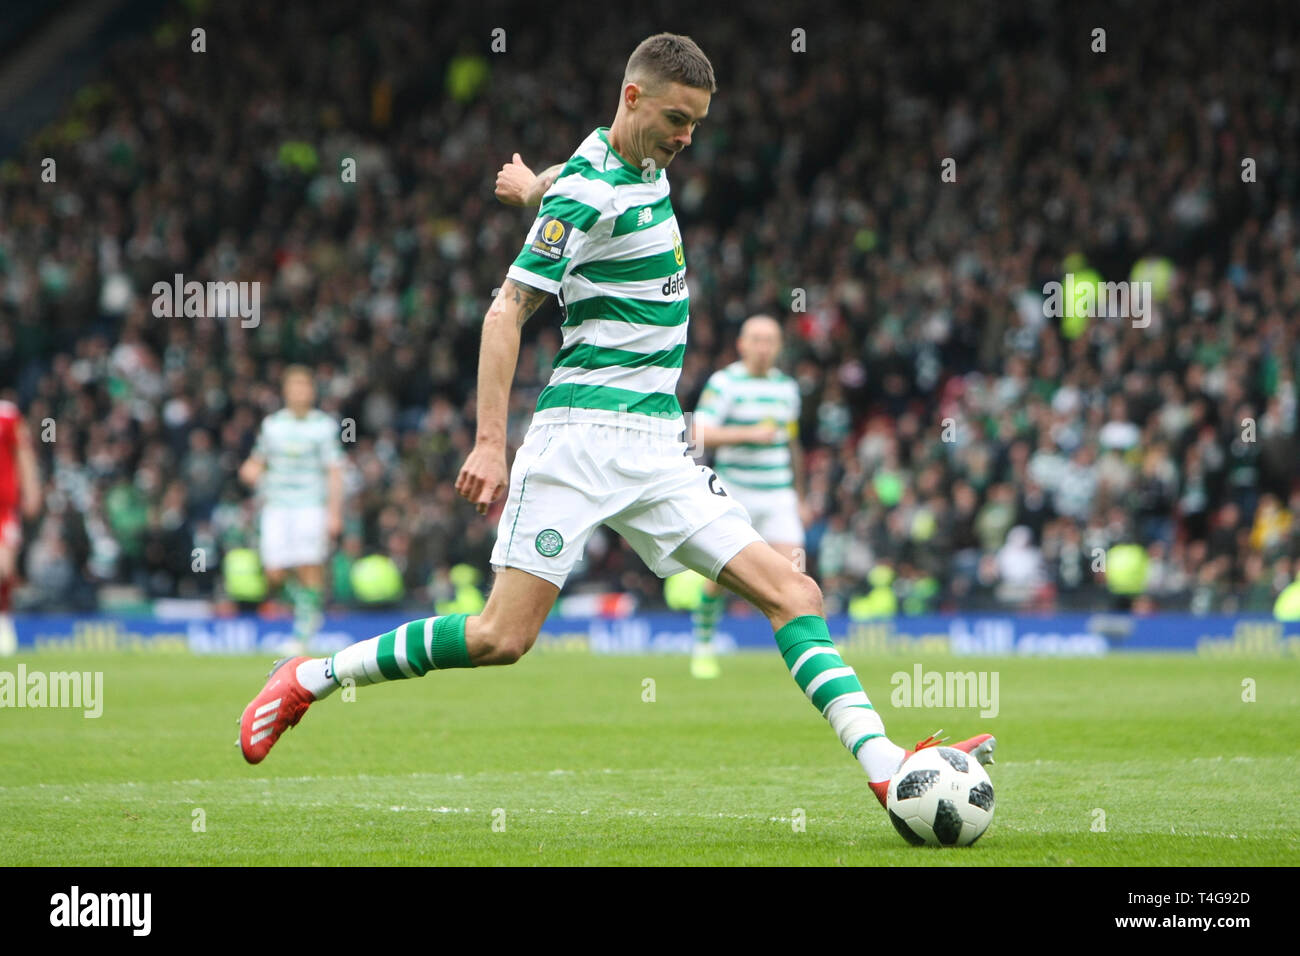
(705, 617)
(835, 691)
(307, 617)
(412, 650)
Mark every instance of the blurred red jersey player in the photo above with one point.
(19, 487)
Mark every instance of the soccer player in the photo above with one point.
(297, 466)
(20, 488)
(749, 412)
(605, 444)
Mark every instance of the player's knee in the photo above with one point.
(801, 596)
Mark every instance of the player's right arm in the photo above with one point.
(484, 475)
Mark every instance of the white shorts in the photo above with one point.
(293, 537)
(569, 478)
(774, 511)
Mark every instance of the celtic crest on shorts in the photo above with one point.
(549, 542)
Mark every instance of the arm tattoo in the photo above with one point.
(525, 297)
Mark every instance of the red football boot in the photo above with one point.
(980, 747)
(278, 707)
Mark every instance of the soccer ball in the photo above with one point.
(940, 797)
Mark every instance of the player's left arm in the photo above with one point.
(29, 476)
(518, 186)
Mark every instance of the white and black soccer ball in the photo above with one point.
(940, 797)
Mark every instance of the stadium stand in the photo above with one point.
(983, 450)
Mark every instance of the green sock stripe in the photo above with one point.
(857, 744)
(334, 675)
(814, 666)
(448, 644)
(833, 688)
(792, 654)
(417, 659)
(795, 638)
(385, 657)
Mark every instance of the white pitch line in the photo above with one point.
(482, 775)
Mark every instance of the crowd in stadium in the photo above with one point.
(986, 452)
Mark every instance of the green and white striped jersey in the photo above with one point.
(607, 243)
(298, 453)
(734, 397)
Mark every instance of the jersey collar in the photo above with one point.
(602, 132)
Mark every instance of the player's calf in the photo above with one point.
(412, 650)
(767, 580)
(502, 634)
(792, 601)
(512, 618)
(493, 643)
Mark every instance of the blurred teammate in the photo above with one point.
(749, 411)
(297, 467)
(20, 496)
(605, 444)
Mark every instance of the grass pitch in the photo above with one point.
(564, 759)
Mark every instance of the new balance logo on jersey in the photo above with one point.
(675, 286)
(644, 216)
